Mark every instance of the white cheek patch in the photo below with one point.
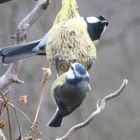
(70, 74)
(103, 30)
(92, 19)
(87, 74)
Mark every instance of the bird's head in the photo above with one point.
(77, 72)
(96, 26)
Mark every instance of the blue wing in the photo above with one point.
(40, 48)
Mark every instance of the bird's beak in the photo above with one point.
(105, 22)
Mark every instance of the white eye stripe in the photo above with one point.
(92, 19)
(87, 74)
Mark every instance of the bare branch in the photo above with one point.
(18, 123)
(30, 19)
(99, 108)
(10, 76)
(20, 111)
(46, 75)
(8, 116)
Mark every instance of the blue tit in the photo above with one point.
(68, 91)
(67, 42)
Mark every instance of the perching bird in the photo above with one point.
(67, 42)
(69, 10)
(69, 91)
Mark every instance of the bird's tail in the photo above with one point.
(56, 120)
(16, 52)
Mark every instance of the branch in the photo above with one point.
(46, 75)
(8, 115)
(10, 76)
(30, 19)
(18, 110)
(18, 123)
(99, 108)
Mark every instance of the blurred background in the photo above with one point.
(118, 58)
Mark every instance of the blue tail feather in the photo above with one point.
(56, 120)
(16, 52)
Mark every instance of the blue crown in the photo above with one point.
(79, 68)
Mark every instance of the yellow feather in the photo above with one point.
(69, 42)
(58, 82)
(69, 10)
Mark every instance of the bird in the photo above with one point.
(69, 10)
(67, 42)
(68, 91)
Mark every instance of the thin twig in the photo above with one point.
(39, 105)
(46, 75)
(2, 111)
(8, 115)
(10, 76)
(9, 122)
(100, 107)
(1, 108)
(21, 112)
(18, 122)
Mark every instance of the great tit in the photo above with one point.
(68, 92)
(67, 42)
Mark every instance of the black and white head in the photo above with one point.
(96, 26)
(77, 72)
